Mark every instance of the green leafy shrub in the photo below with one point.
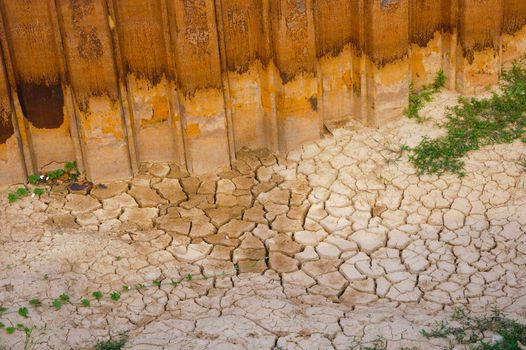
(417, 99)
(475, 123)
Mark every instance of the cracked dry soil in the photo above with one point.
(336, 240)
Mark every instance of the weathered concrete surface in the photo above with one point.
(337, 239)
(114, 84)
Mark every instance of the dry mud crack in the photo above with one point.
(336, 240)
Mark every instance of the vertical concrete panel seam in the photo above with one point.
(21, 124)
(219, 27)
(69, 101)
(272, 136)
(500, 39)
(453, 54)
(174, 101)
(13, 119)
(319, 73)
(123, 87)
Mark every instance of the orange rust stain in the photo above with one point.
(102, 119)
(347, 79)
(417, 65)
(426, 60)
(193, 130)
(297, 97)
(110, 126)
(393, 73)
(482, 70)
(207, 103)
(160, 110)
(4, 151)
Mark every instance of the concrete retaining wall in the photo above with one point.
(113, 83)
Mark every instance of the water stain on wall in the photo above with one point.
(480, 26)
(293, 38)
(386, 31)
(514, 16)
(426, 17)
(333, 26)
(6, 126)
(42, 104)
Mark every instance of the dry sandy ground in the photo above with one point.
(338, 240)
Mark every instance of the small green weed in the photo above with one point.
(33, 179)
(64, 299)
(57, 304)
(474, 331)
(23, 311)
(156, 283)
(12, 197)
(115, 296)
(70, 172)
(35, 303)
(475, 123)
(377, 344)
(418, 99)
(20, 193)
(116, 344)
(38, 191)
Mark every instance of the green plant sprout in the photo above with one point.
(418, 99)
(70, 169)
(58, 303)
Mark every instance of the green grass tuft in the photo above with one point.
(474, 331)
(116, 344)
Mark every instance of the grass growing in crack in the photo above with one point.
(474, 331)
(96, 297)
(417, 99)
(474, 123)
(115, 344)
(377, 344)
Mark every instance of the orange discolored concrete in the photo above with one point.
(38, 83)
(89, 55)
(11, 164)
(116, 83)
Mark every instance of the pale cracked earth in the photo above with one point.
(338, 240)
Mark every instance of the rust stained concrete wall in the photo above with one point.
(514, 30)
(11, 165)
(146, 73)
(37, 82)
(114, 83)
